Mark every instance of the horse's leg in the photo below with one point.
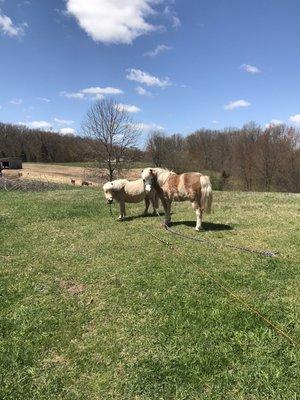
(122, 210)
(154, 203)
(168, 213)
(197, 208)
(166, 205)
(155, 207)
(147, 203)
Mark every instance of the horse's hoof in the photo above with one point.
(199, 229)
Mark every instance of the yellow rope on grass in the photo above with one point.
(219, 283)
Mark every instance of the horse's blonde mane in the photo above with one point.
(162, 174)
(163, 170)
(117, 184)
(160, 170)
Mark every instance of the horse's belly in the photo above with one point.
(179, 199)
(179, 195)
(134, 198)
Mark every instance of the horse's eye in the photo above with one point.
(144, 180)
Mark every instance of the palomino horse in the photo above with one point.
(124, 191)
(169, 186)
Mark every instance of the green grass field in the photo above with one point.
(96, 309)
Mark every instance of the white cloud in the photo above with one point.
(274, 122)
(63, 121)
(45, 99)
(128, 107)
(146, 128)
(99, 90)
(73, 95)
(97, 96)
(215, 121)
(295, 119)
(142, 92)
(114, 21)
(237, 104)
(171, 14)
(161, 48)
(67, 131)
(147, 79)
(250, 68)
(16, 102)
(92, 93)
(7, 27)
(176, 22)
(37, 124)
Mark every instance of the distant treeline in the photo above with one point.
(34, 145)
(40, 146)
(250, 158)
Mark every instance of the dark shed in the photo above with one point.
(11, 163)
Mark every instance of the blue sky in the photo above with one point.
(176, 65)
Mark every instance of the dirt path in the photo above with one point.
(64, 174)
(52, 173)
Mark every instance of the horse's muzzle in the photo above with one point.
(109, 201)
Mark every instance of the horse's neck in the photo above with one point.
(163, 176)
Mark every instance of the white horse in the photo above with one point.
(124, 191)
(169, 186)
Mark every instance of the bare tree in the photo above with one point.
(156, 148)
(268, 154)
(110, 124)
(168, 151)
(245, 149)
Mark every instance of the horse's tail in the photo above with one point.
(206, 193)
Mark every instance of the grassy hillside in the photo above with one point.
(94, 309)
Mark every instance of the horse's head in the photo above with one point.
(148, 176)
(112, 188)
(108, 192)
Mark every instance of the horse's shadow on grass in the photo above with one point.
(207, 226)
(133, 217)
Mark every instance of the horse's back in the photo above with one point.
(134, 187)
(134, 191)
(184, 186)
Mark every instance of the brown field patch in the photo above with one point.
(65, 174)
